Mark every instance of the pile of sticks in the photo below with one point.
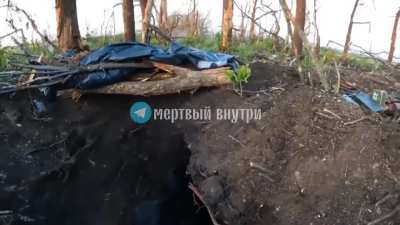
(158, 78)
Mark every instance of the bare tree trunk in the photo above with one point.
(253, 21)
(227, 25)
(349, 30)
(68, 34)
(194, 19)
(287, 13)
(242, 24)
(146, 22)
(394, 37)
(143, 4)
(196, 24)
(129, 20)
(163, 17)
(317, 49)
(299, 27)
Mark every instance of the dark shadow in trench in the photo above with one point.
(137, 178)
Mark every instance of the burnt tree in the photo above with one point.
(129, 20)
(242, 22)
(143, 4)
(163, 16)
(317, 48)
(146, 19)
(288, 17)
(253, 20)
(394, 37)
(195, 16)
(68, 34)
(300, 21)
(227, 25)
(349, 30)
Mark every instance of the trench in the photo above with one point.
(120, 175)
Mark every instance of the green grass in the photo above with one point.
(17, 55)
(363, 63)
(248, 50)
(95, 42)
(3, 59)
(8, 55)
(245, 50)
(205, 43)
(328, 58)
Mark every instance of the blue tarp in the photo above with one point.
(128, 52)
(363, 99)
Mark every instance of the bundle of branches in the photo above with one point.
(158, 79)
(37, 76)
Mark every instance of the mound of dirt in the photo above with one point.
(312, 159)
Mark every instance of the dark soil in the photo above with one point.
(89, 164)
(296, 166)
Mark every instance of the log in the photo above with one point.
(185, 80)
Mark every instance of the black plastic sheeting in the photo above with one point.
(128, 52)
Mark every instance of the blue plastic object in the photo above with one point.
(366, 100)
(131, 51)
(349, 99)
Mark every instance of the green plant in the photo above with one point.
(201, 42)
(239, 77)
(95, 42)
(3, 59)
(363, 63)
(40, 49)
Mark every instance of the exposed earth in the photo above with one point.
(312, 159)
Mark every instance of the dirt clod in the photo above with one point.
(213, 190)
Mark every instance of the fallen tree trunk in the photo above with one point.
(185, 80)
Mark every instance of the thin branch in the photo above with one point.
(255, 21)
(338, 78)
(9, 34)
(161, 33)
(386, 216)
(33, 24)
(370, 54)
(355, 121)
(197, 193)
